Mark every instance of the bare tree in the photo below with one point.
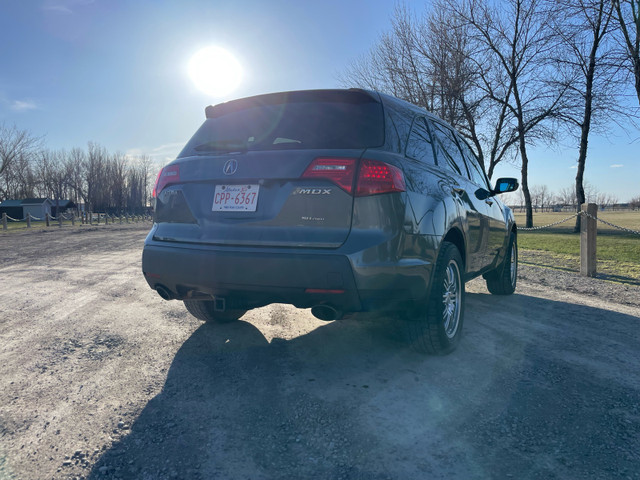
(592, 80)
(567, 196)
(634, 203)
(451, 46)
(74, 163)
(16, 146)
(138, 183)
(518, 39)
(606, 200)
(628, 16)
(591, 192)
(18, 179)
(15, 143)
(52, 175)
(103, 181)
(434, 62)
(117, 168)
(95, 177)
(545, 197)
(540, 197)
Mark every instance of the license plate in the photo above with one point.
(235, 198)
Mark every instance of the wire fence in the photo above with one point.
(620, 252)
(586, 214)
(82, 219)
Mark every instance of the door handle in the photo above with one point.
(489, 202)
(457, 190)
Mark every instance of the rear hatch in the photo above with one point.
(272, 170)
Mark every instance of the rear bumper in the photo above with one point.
(250, 279)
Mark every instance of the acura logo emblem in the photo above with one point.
(230, 167)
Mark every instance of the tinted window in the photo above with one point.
(475, 171)
(448, 152)
(300, 125)
(419, 145)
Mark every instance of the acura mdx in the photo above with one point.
(341, 201)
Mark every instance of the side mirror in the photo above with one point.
(505, 185)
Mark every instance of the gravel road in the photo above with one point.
(101, 379)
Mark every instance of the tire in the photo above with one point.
(503, 280)
(204, 310)
(436, 327)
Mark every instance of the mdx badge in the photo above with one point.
(312, 191)
(230, 167)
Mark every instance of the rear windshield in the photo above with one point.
(298, 125)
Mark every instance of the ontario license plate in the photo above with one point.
(235, 198)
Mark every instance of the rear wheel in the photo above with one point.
(502, 281)
(205, 310)
(436, 328)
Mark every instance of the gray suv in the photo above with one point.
(341, 201)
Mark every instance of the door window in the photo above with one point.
(475, 171)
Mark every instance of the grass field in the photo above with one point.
(618, 252)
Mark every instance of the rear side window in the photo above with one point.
(448, 152)
(419, 146)
(295, 125)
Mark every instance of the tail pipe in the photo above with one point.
(326, 313)
(164, 292)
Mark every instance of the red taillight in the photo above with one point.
(374, 176)
(378, 177)
(323, 291)
(338, 170)
(166, 176)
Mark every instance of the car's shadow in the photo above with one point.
(349, 400)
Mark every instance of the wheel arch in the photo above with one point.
(455, 236)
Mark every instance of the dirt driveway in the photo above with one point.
(100, 378)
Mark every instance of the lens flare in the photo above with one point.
(215, 71)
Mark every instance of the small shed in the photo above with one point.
(36, 207)
(13, 209)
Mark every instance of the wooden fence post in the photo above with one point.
(588, 236)
(4, 220)
(59, 219)
(73, 219)
(46, 219)
(28, 220)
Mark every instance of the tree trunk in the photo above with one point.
(525, 182)
(584, 135)
(579, 194)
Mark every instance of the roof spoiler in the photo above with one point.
(352, 95)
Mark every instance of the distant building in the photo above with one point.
(13, 209)
(18, 209)
(36, 207)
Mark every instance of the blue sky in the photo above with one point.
(115, 72)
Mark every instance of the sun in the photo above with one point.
(215, 71)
